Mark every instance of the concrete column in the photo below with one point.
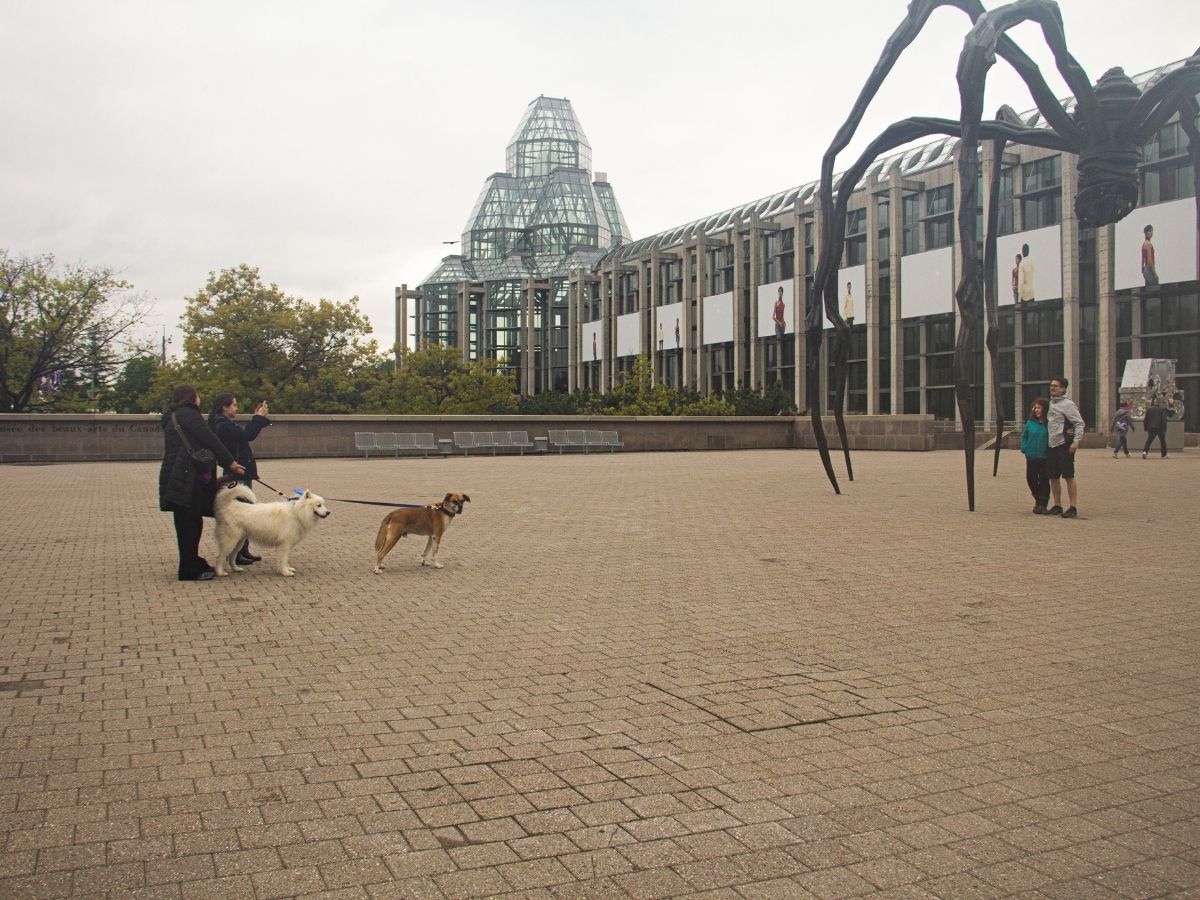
(757, 376)
(527, 361)
(872, 301)
(798, 319)
(957, 274)
(687, 292)
(896, 334)
(739, 332)
(823, 366)
(573, 332)
(463, 301)
(606, 297)
(1070, 273)
(1106, 330)
(701, 291)
(654, 301)
(401, 322)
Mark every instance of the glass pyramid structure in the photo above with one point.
(545, 215)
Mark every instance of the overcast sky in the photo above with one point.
(337, 145)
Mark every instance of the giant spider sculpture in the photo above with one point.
(1110, 124)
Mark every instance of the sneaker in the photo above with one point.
(1143, 454)
(1115, 456)
(1054, 511)
(1071, 513)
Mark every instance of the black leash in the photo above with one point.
(340, 500)
(381, 503)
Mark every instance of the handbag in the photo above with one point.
(202, 457)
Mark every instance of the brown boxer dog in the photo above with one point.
(430, 520)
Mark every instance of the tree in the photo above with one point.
(252, 340)
(133, 384)
(436, 381)
(63, 332)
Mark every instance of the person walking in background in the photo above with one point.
(1035, 444)
(185, 489)
(237, 441)
(1155, 424)
(1122, 424)
(1149, 263)
(1060, 458)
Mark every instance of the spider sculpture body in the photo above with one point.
(1111, 122)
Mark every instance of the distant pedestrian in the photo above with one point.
(1155, 424)
(1035, 443)
(1122, 425)
(237, 440)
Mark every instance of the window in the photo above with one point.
(883, 245)
(1004, 206)
(1041, 198)
(910, 215)
(939, 217)
(856, 237)
(1166, 173)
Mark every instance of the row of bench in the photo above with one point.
(466, 441)
(587, 440)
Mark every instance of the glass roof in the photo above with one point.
(544, 213)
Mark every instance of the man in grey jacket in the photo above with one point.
(1060, 461)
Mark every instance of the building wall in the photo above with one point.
(901, 346)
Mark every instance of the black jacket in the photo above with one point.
(180, 486)
(237, 440)
(1155, 419)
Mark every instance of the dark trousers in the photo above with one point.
(1122, 444)
(1151, 434)
(188, 528)
(1038, 480)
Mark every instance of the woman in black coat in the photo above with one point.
(183, 489)
(237, 441)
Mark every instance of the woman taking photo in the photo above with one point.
(186, 489)
(237, 441)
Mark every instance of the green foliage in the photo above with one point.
(251, 339)
(133, 384)
(71, 325)
(554, 403)
(774, 401)
(637, 395)
(436, 381)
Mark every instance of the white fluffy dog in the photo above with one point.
(279, 525)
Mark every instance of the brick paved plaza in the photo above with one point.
(638, 675)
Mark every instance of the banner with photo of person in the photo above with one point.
(1156, 245)
(591, 341)
(927, 283)
(776, 309)
(629, 334)
(718, 318)
(1029, 266)
(669, 333)
(852, 295)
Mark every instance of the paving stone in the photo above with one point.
(602, 693)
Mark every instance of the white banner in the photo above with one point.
(776, 301)
(718, 318)
(591, 341)
(927, 283)
(629, 334)
(1029, 266)
(1163, 255)
(669, 333)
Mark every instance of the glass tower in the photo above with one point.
(543, 217)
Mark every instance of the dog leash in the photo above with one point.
(381, 503)
(341, 500)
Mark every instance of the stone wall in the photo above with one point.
(73, 438)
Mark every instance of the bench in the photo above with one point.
(365, 441)
(465, 441)
(610, 441)
(520, 440)
(418, 442)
